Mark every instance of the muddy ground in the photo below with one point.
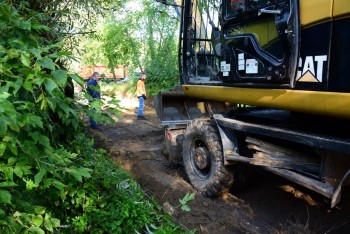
(269, 204)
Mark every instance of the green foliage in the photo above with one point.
(119, 47)
(120, 88)
(162, 71)
(51, 178)
(110, 199)
(161, 60)
(185, 200)
(144, 39)
(33, 110)
(89, 50)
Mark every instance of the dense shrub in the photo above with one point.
(51, 177)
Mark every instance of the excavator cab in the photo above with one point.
(239, 42)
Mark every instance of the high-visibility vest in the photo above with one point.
(140, 88)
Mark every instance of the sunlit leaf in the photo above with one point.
(13, 124)
(52, 103)
(36, 52)
(39, 210)
(40, 27)
(36, 230)
(96, 105)
(44, 140)
(26, 25)
(25, 60)
(8, 172)
(11, 161)
(7, 184)
(55, 222)
(77, 79)
(79, 173)
(13, 53)
(13, 148)
(47, 223)
(28, 86)
(184, 201)
(4, 95)
(5, 197)
(39, 80)
(58, 185)
(37, 220)
(2, 148)
(30, 184)
(50, 85)
(81, 193)
(185, 208)
(47, 63)
(18, 85)
(64, 53)
(64, 107)
(39, 176)
(35, 121)
(60, 75)
(75, 173)
(18, 171)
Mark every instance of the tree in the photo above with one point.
(119, 46)
(161, 61)
(142, 39)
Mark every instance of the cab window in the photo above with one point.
(236, 7)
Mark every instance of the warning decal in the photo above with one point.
(251, 66)
(225, 68)
(241, 62)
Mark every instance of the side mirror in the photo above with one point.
(168, 3)
(165, 2)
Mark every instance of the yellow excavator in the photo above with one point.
(263, 83)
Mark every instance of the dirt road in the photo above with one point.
(269, 205)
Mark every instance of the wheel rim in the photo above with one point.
(200, 158)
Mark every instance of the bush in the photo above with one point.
(110, 200)
(51, 178)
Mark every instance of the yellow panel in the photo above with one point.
(341, 8)
(322, 103)
(315, 11)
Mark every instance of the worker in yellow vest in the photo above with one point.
(141, 95)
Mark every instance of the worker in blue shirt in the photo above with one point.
(94, 90)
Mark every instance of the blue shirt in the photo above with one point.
(93, 91)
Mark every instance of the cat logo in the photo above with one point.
(312, 68)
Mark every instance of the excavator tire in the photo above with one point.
(203, 159)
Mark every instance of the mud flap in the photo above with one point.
(229, 143)
(337, 193)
